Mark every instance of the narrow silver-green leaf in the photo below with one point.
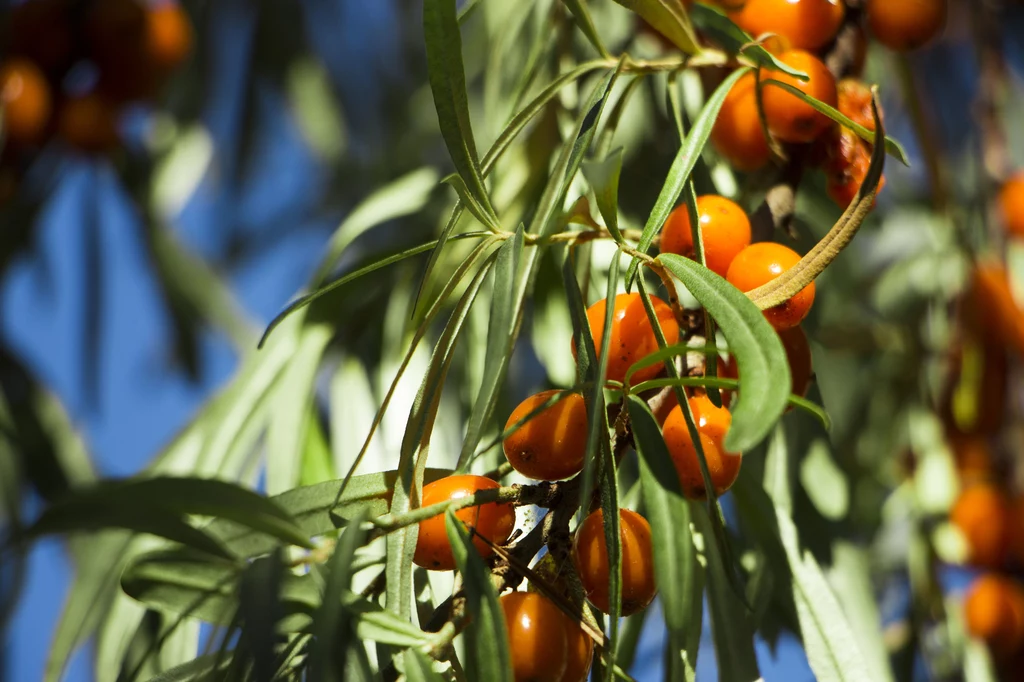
(760, 356)
(487, 651)
(734, 40)
(603, 177)
(419, 668)
(581, 11)
(682, 166)
(669, 18)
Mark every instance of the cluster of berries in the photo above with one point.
(799, 33)
(987, 513)
(70, 66)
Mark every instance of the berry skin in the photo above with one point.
(633, 338)
(906, 25)
(552, 445)
(994, 613)
(759, 264)
(579, 653)
(492, 520)
(712, 425)
(590, 556)
(798, 353)
(1011, 205)
(89, 123)
(804, 24)
(25, 96)
(737, 133)
(168, 36)
(982, 513)
(849, 159)
(789, 118)
(724, 227)
(536, 637)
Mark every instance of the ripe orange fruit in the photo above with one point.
(805, 24)
(759, 264)
(42, 31)
(789, 118)
(89, 123)
(1011, 205)
(493, 521)
(724, 227)
(798, 353)
(907, 24)
(536, 637)
(737, 133)
(168, 36)
(994, 613)
(632, 337)
(853, 98)
(552, 445)
(982, 514)
(590, 556)
(712, 425)
(994, 308)
(849, 158)
(25, 96)
(580, 653)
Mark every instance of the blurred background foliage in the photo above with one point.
(299, 142)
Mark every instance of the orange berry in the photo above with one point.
(805, 24)
(712, 425)
(994, 613)
(907, 24)
(89, 123)
(1011, 205)
(580, 653)
(853, 98)
(724, 227)
(994, 307)
(847, 167)
(590, 556)
(25, 96)
(632, 338)
(982, 514)
(493, 521)
(737, 133)
(552, 445)
(789, 118)
(536, 637)
(168, 36)
(759, 264)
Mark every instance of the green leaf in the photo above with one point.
(448, 84)
(669, 18)
(892, 147)
(469, 201)
(205, 668)
(501, 332)
(730, 628)
(603, 177)
(260, 607)
(682, 166)
(581, 11)
(401, 197)
(675, 561)
(318, 509)
(332, 632)
(306, 299)
(730, 37)
(419, 668)
(760, 356)
(487, 652)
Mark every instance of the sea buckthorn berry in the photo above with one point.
(805, 24)
(853, 98)
(789, 118)
(712, 425)
(993, 310)
(552, 445)
(724, 227)
(982, 514)
(994, 613)
(168, 36)
(737, 133)
(633, 338)
(847, 166)
(579, 652)
(798, 353)
(536, 637)
(907, 24)
(1011, 205)
(493, 521)
(759, 264)
(89, 123)
(590, 556)
(25, 96)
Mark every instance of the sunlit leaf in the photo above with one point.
(669, 18)
(603, 177)
(581, 11)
